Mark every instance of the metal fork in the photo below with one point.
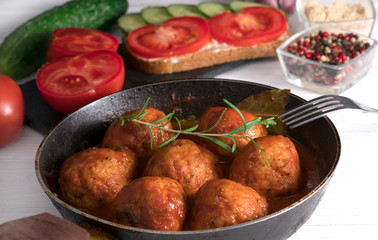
(319, 107)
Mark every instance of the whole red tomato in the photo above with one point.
(12, 110)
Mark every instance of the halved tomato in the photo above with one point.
(174, 37)
(249, 27)
(69, 42)
(70, 83)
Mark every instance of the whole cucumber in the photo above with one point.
(24, 50)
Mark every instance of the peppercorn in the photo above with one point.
(325, 48)
(332, 45)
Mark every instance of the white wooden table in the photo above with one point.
(349, 208)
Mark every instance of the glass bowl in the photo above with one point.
(320, 16)
(325, 77)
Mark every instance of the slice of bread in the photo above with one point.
(211, 54)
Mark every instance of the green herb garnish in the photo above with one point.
(161, 123)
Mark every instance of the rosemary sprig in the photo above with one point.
(213, 137)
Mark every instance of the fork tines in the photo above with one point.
(311, 110)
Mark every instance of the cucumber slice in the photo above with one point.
(129, 22)
(155, 15)
(211, 9)
(237, 6)
(179, 10)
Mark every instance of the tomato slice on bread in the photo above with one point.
(70, 83)
(174, 37)
(69, 42)
(249, 27)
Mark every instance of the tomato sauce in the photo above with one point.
(310, 172)
(311, 179)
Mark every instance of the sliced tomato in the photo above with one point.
(70, 83)
(249, 27)
(174, 37)
(69, 42)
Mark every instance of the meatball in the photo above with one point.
(230, 121)
(222, 202)
(130, 136)
(187, 162)
(93, 177)
(152, 203)
(278, 176)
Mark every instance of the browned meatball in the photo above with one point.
(130, 136)
(222, 202)
(185, 161)
(230, 121)
(152, 203)
(93, 177)
(282, 175)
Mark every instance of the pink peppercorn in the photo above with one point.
(342, 57)
(337, 49)
(301, 51)
(309, 55)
